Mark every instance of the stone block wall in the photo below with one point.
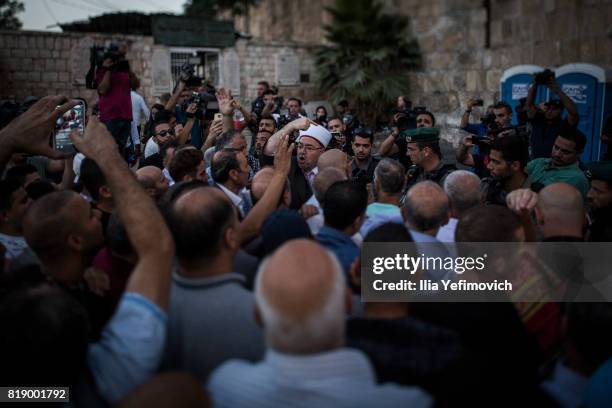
(40, 63)
(452, 35)
(257, 63)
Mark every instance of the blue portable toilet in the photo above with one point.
(585, 84)
(515, 83)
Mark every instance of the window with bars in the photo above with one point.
(206, 64)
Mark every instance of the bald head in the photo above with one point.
(560, 210)
(324, 179)
(198, 220)
(334, 158)
(426, 207)
(463, 190)
(300, 294)
(260, 184)
(55, 217)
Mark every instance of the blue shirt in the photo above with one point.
(196, 130)
(477, 129)
(340, 244)
(339, 378)
(130, 348)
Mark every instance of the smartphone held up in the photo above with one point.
(66, 123)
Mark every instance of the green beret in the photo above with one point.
(600, 170)
(422, 135)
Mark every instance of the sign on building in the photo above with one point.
(287, 68)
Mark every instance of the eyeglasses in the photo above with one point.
(309, 148)
(164, 133)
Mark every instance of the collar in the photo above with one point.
(208, 282)
(365, 164)
(314, 170)
(236, 199)
(550, 166)
(335, 234)
(382, 208)
(340, 363)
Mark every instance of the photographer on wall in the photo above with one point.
(112, 80)
(547, 120)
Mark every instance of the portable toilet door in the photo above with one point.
(585, 84)
(515, 83)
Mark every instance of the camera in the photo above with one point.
(97, 56)
(543, 77)
(479, 102)
(406, 118)
(206, 103)
(489, 122)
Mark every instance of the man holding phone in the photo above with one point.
(115, 103)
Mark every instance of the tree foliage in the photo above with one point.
(8, 10)
(367, 58)
(211, 8)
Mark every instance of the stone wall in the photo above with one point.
(452, 36)
(40, 63)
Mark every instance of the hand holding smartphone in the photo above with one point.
(65, 124)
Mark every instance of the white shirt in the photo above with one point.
(339, 378)
(14, 245)
(151, 148)
(138, 106)
(235, 198)
(446, 233)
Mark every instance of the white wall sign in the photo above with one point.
(287, 69)
(162, 76)
(577, 92)
(231, 71)
(519, 91)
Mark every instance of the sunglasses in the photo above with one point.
(165, 133)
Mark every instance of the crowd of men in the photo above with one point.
(207, 269)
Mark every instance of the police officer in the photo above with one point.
(424, 151)
(600, 201)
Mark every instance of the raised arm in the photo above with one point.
(568, 103)
(226, 107)
(302, 123)
(143, 222)
(251, 225)
(530, 103)
(175, 96)
(30, 131)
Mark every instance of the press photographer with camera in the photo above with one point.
(475, 149)
(190, 93)
(546, 123)
(112, 80)
(405, 118)
(478, 129)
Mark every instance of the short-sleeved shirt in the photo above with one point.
(117, 103)
(543, 172)
(196, 130)
(130, 350)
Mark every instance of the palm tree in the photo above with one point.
(367, 57)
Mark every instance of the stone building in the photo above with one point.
(466, 45)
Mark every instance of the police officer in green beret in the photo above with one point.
(600, 201)
(424, 151)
